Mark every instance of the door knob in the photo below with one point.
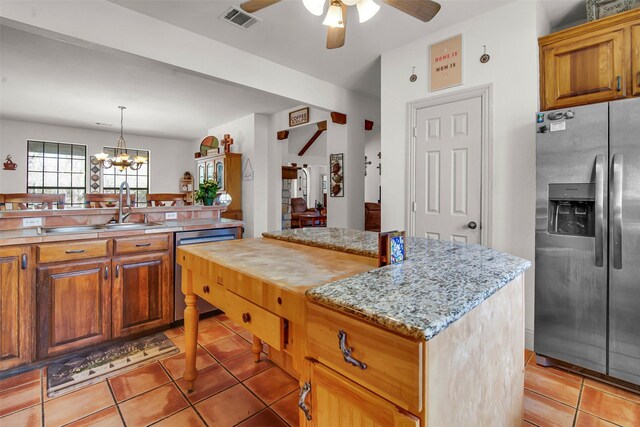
(472, 225)
(246, 317)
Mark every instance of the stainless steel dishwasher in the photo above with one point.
(192, 238)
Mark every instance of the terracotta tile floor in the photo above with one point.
(231, 390)
(553, 397)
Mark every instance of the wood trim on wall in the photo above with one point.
(483, 92)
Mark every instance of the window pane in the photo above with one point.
(78, 180)
(50, 179)
(50, 164)
(65, 151)
(50, 149)
(35, 164)
(79, 151)
(64, 180)
(109, 181)
(36, 148)
(35, 180)
(64, 165)
(142, 181)
(78, 165)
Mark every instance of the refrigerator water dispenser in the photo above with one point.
(571, 209)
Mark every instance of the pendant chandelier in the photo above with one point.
(121, 160)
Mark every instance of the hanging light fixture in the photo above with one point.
(334, 15)
(316, 7)
(121, 159)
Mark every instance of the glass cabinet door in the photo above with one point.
(210, 171)
(219, 166)
(201, 175)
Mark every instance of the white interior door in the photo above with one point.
(448, 171)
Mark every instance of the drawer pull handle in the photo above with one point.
(619, 85)
(106, 272)
(246, 317)
(205, 289)
(346, 351)
(24, 261)
(117, 271)
(142, 245)
(74, 251)
(304, 391)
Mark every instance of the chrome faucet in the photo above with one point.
(122, 217)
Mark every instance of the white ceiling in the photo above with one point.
(291, 36)
(50, 81)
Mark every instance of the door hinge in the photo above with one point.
(415, 132)
(413, 206)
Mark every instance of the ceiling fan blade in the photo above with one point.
(335, 36)
(423, 10)
(255, 5)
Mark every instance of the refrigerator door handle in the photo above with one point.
(617, 210)
(599, 238)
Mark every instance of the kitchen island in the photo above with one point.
(436, 340)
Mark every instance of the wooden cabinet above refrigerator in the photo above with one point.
(595, 62)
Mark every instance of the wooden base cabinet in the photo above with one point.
(141, 293)
(74, 306)
(16, 306)
(333, 400)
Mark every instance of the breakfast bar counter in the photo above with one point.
(435, 340)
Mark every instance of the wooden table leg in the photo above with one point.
(256, 348)
(191, 317)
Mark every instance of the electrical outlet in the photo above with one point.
(32, 222)
(171, 215)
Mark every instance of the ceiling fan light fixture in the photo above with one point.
(334, 16)
(367, 10)
(315, 7)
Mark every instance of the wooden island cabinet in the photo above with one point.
(595, 62)
(355, 370)
(16, 306)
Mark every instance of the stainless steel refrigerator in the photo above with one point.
(587, 270)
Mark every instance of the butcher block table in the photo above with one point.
(435, 340)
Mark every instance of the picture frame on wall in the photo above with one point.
(445, 63)
(336, 164)
(597, 9)
(299, 117)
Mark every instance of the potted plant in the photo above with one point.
(319, 207)
(207, 192)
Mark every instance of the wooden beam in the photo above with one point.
(368, 125)
(338, 118)
(283, 134)
(322, 126)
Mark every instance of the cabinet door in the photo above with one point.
(17, 308)
(142, 295)
(74, 306)
(219, 169)
(635, 60)
(210, 171)
(201, 173)
(583, 70)
(339, 402)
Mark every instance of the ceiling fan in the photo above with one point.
(336, 18)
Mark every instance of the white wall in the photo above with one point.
(510, 34)
(371, 150)
(298, 138)
(249, 138)
(169, 159)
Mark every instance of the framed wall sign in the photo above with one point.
(299, 117)
(597, 9)
(445, 63)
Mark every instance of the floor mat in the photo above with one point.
(105, 361)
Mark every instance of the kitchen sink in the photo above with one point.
(97, 228)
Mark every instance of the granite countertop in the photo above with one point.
(439, 283)
(364, 243)
(30, 235)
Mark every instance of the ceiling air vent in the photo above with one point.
(239, 18)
